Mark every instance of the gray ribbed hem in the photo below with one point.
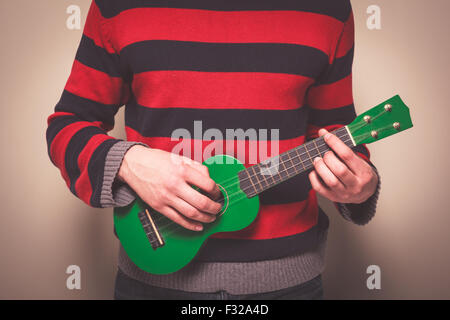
(361, 213)
(235, 277)
(115, 193)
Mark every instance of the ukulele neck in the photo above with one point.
(273, 171)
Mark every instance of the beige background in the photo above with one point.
(44, 228)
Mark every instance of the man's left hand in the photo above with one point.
(347, 179)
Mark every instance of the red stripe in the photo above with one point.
(55, 115)
(83, 186)
(211, 90)
(200, 150)
(347, 40)
(226, 27)
(59, 145)
(95, 25)
(330, 96)
(95, 85)
(313, 131)
(281, 220)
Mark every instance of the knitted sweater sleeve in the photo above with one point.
(77, 139)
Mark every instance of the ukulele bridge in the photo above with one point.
(151, 230)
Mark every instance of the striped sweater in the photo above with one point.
(247, 64)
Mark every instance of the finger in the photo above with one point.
(319, 187)
(327, 176)
(347, 155)
(199, 176)
(198, 200)
(180, 219)
(339, 169)
(215, 193)
(189, 211)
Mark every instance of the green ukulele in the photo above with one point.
(159, 246)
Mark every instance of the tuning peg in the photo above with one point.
(367, 119)
(374, 134)
(388, 107)
(396, 125)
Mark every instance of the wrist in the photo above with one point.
(128, 158)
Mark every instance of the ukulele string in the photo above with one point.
(301, 162)
(363, 123)
(171, 226)
(306, 167)
(298, 154)
(233, 199)
(368, 135)
(225, 186)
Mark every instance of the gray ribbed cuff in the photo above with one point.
(361, 213)
(236, 277)
(114, 192)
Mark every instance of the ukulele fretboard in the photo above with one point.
(260, 177)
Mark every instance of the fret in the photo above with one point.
(299, 158)
(261, 176)
(315, 145)
(246, 183)
(257, 180)
(271, 169)
(292, 165)
(342, 134)
(312, 151)
(309, 156)
(296, 161)
(321, 146)
(304, 157)
(283, 172)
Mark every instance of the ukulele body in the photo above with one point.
(181, 245)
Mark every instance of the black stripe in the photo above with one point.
(293, 190)
(322, 118)
(55, 127)
(153, 55)
(98, 58)
(73, 150)
(161, 122)
(96, 170)
(340, 69)
(338, 9)
(86, 109)
(234, 250)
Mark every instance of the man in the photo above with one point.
(282, 65)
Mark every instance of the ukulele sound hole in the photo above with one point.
(222, 199)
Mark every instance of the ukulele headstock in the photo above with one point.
(383, 120)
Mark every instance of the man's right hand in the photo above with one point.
(164, 181)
